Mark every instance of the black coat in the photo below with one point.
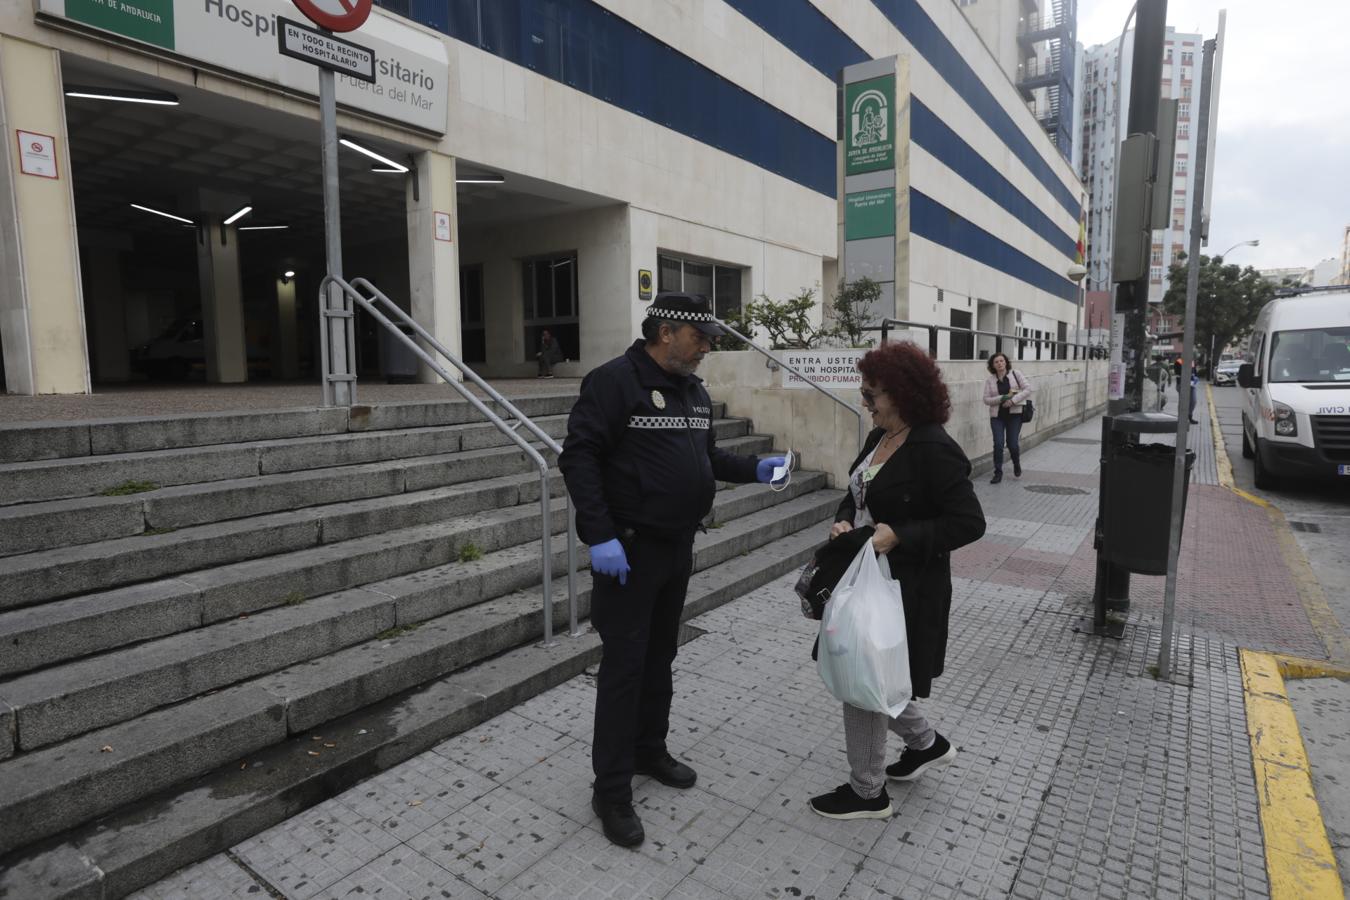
(923, 492)
(641, 452)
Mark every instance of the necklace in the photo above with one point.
(896, 434)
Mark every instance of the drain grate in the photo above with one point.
(1062, 440)
(1054, 489)
(1310, 527)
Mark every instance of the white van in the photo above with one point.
(1296, 415)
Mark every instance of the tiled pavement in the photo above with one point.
(1079, 774)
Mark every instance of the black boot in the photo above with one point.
(998, 476)
(621, 825)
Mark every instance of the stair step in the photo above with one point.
(26, 441)
(132, 847)
(66, 571)
(62, 630)
(27, 482)
(57, 703)
(326, 688)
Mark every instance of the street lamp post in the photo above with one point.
(1254, 242)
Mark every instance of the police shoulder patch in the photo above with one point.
(658, 399)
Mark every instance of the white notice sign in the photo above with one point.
(37, 154)
(325, 51)
(442, 226)
(834, 370)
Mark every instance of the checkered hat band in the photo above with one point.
(678, 316)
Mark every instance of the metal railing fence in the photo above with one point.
(380, 308)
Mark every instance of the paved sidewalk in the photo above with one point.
(1079, 774)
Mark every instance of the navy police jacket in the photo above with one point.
(640, 452)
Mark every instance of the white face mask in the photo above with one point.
(783, 472)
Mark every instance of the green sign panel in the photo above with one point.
(150, 21)
(869, 125)
(869, 214)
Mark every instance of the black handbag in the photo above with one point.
(813, 601)
(1028, 408)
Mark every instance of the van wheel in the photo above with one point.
(1247, 451)
(1264, 480)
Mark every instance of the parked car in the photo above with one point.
(1296, 415)
(1225, 372)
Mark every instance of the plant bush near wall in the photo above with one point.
(789, 326)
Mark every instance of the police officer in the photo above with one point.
(641, 464)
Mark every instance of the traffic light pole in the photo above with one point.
(1126, 388)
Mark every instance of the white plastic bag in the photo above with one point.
(864, 652)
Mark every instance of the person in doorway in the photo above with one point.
(549, 355)
(641, 464)
(909, 493)
(1004, 393)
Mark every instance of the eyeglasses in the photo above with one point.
(869, 396)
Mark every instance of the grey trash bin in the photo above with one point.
(1138, 501)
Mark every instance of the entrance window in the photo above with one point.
(720, 284)
(471, 313)
(550, 302)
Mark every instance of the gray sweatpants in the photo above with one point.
(865, 741)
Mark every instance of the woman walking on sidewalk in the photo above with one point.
(1005, 391)
(910, 494)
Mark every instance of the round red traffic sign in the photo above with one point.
(335, 15)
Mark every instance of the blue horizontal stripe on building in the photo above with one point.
(811, 35)
(931, 220)
(933, 135)
(585, 46)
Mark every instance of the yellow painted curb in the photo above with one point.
(1299, 859)
(1221, 459)
(1296, 667)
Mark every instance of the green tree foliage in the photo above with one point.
(1226, 304)
(740, 319)
(788, 323)
(854, 307)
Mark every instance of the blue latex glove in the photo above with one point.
(764, 471)
(609, 559)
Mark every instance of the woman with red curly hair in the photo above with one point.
(910, 495)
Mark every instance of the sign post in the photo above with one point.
(330, 55)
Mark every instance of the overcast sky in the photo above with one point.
(1282, 164)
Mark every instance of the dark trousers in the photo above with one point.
(639, 624)
(1007, 428)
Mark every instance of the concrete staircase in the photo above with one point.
(209, 623)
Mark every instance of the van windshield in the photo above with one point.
(1311, 354)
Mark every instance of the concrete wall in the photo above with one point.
(824, 434)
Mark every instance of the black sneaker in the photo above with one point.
(998, 476)
(844, 803)
(620, 823)
(913, 763)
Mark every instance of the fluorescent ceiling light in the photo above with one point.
(352, 145)
(384, 169)
(289, 273)
(238, 214)
(161, 213)
(480, 179)
(263, 227)
(155, 98)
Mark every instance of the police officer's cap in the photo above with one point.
(679, 307)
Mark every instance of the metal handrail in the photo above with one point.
(998, 336)
(862, 430)
(369, 304)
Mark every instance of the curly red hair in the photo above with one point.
(911, 379)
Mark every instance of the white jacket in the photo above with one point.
(994, 400)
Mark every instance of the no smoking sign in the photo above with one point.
(335, 15)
